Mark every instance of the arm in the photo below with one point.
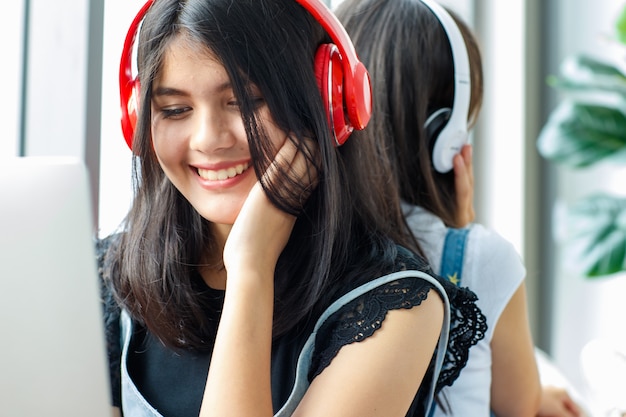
(238, 383)
(515, 385)
(398, 354)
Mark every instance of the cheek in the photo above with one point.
(169, 144)
(275, 133)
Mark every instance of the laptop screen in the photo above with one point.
(52, 351)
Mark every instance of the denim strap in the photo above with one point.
(452, 264)
(452, 257)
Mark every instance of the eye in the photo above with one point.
(174, 112)
(233, 103)
(257, 102)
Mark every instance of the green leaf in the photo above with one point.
(578, 135)
(583, 72)
(620, 26)
(597, 243)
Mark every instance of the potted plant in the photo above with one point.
(588, 127)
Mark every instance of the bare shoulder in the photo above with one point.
(398, 353)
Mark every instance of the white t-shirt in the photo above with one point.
(493, 270)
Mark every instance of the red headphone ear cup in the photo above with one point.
(329, 74)
(129, 85)
(129, 112)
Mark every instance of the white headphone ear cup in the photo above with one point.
(435, 124)
(444, 139)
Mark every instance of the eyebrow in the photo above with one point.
(170, 91)
(167, 91)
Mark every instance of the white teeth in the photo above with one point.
(222, 174)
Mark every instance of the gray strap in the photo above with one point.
(304, 360)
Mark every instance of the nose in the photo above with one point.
(212, 131)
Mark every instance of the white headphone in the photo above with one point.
(454, 134)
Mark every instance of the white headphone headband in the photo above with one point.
(454, 135)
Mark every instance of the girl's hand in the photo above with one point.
(261, 230)
(556, 402)
(464, 186)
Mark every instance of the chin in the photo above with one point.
(222, 214)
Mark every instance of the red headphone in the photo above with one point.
(343, 80)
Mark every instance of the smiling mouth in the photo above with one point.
(222, 174)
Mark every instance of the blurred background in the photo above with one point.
(60, 74)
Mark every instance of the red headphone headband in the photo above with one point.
(347, 88)
(128, 83)
(357, 85)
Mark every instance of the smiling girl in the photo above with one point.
(249, 221)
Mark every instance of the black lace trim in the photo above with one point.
(468, 326)
(360, 318)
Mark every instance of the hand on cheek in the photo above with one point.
(262, 230)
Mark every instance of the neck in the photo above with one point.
(214, 276)
(212, 269)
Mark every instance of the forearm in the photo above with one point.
(238, 383)
(516, 389)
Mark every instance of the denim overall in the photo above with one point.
(133, 403)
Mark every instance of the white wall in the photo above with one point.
(56, 78)
(500, 134)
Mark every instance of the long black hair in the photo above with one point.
(346, 231)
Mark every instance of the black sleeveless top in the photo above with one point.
(173, 381)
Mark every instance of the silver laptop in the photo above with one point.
(52, 349)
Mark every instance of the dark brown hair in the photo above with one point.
(408, 55)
